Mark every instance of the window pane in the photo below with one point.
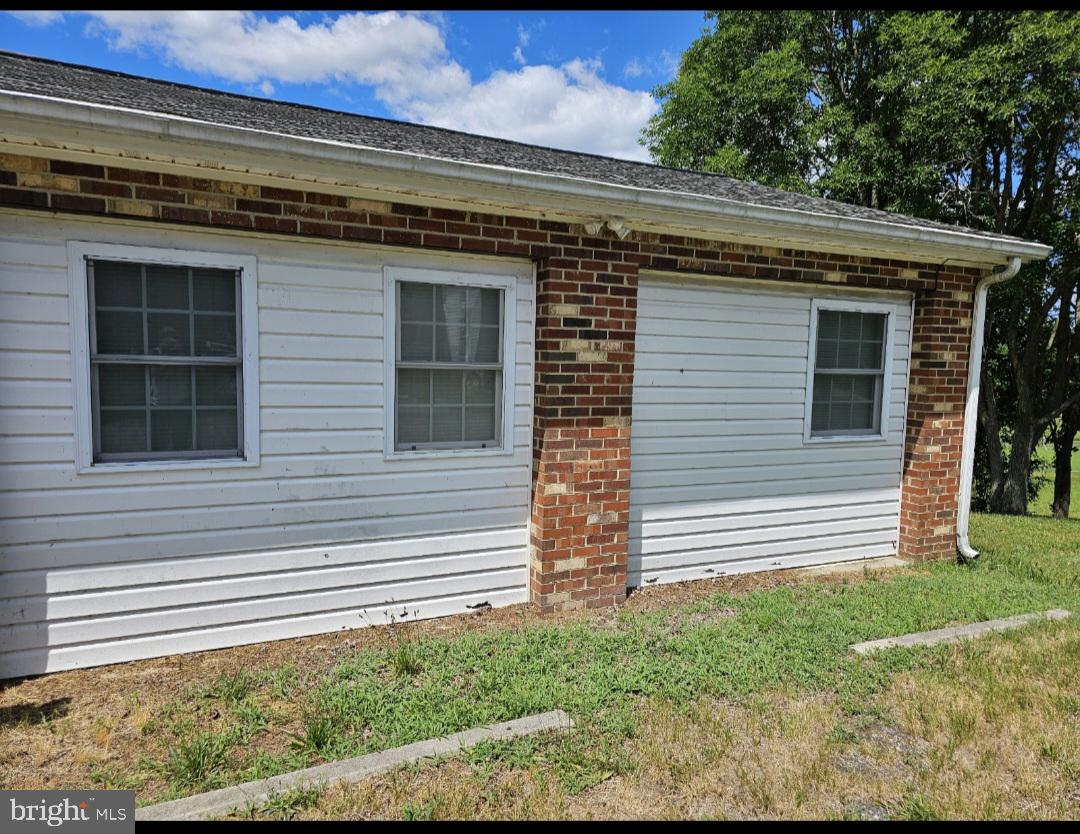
(122, 385)
(446, 387)
(413, 386)
(871, 355)
(873, 327)
(828, 324)
(850, 325)
(117, 284)
(446, 424)
(845, 403)
(850, 339)
(480, 423)
(417, 302)
(862, 415)
(214, 289)
(822, 388)
(484, 344)
(119, 332)
(215, 335)
(215, 386)
(414, 424)
(490, 307)
(168, 334)
(170, 430)
(450, 304)
(416, 343)
(169, 385)
(826, 354)
(480, 387)
(862, 387)
(167, 287)
(840, 416)
(123, 431)
(847, 354)
(450, 343)
(216, 429)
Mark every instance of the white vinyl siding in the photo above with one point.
(323, 534)
(722, 479)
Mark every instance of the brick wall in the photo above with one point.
(586, 308)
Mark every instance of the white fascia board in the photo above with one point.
(411, 173)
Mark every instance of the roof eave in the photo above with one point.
(416, 173)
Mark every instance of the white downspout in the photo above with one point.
(971, 409)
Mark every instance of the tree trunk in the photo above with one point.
(991, 427)
(1063, 449)
(1013, 499)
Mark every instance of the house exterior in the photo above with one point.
(270, 370)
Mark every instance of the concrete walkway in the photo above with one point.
(220, 802)
(957, 633)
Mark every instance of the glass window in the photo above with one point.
(166, 366)
(849, 373)
(448, 366)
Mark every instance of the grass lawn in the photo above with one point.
(724, 699)
(1041, 505)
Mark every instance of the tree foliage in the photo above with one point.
(967, 117)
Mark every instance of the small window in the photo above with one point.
(850, 355)
(165, 361)
(449, 368)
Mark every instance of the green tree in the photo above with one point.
(965, 117)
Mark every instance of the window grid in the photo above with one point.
(148, 361)
(495, 366)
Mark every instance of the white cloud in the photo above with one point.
(567, 107)
(403, 56)
(42, 18)
(662, 65)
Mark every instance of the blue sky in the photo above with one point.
(578, 80)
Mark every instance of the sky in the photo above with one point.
(576, 80)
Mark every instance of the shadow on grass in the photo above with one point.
(34, 713)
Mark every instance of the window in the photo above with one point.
(449, 365)
(851, 346)
(168, 359)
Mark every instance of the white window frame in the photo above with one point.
(817, 304)
(466, 277)
(79, 253)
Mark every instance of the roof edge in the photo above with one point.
(622, 199)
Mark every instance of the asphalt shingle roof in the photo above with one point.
(39, 76)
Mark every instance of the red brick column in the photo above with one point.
(937, 389)
(586, 315)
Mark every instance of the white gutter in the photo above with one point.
(971, 409)
(168, 127)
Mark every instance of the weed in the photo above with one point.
(232, 688)
(420, 811)
(198, 763)
(318, 735)
(287, 804)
